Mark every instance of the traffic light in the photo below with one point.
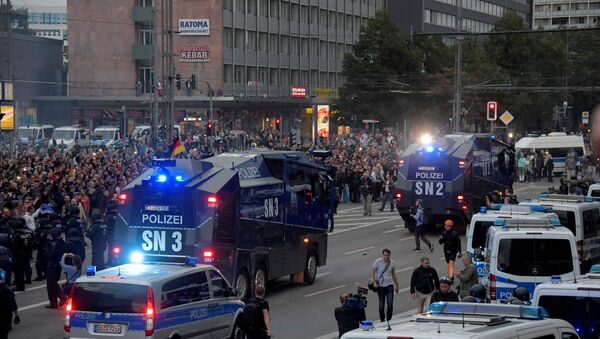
(178, 81)
(209, 128)
(492, 111)
(277, 122)
(193, 81)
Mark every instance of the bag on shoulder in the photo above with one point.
(252, 316)
(427, 218)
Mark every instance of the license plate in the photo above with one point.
(108, 328)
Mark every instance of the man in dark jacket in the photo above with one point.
(97, 234)
(444, 293)
(22, 250)
(53, 270)
(110, 220)
(75, 242)
(423, 283)
(348, 318)
(41, 243)
(8, 307)
(452, 246)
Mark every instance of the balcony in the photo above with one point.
(143, 14)
(142, 52)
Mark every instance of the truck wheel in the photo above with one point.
(310, 272)
(260, 277)
(408, 222)
(242, 284)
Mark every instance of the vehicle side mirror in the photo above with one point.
(232, 292)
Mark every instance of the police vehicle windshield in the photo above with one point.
(530, 256)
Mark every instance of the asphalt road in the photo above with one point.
(299, 311)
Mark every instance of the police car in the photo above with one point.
(581, 215)
(527, 253)
(157, 300)
(576, 301)
(470, 320)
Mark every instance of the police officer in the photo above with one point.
(97, 234)
(110, 219)
(73, 221)
(8, 307)
(41, 243)
(22, 249)
(75, 242)
(6, 259)
(444, 293)
(56, 249)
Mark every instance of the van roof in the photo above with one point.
(584, 283)
(556, 203)
(521, 230)
(140, 274)
(30, 126)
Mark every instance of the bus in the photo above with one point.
(558, 144)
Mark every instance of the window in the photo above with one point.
(332, 51)
(145, 73)
(262, 75)
(323, 78)
(185, 290)
(239, 6)
(285, 44)
(274, 44)
(239, 75)
(251, 7)
(314, 15)
(341, 51)
(110, 297)
(304, 78)
(332, 77)
(295, 77)
(304, 46)
(349, 23)
(332, 16)
(274, 11)
(323, 18)
(218, 283)
(145, 3)
(238, 41)
(314, 47)
(274, 76)
(285, 11)
(314, 78)
(251, 40)
(263, 42)
(340, 21)
(227, 76)
(227, 38)
(295, 13)
(263, 8)
(251, 74)
(285, 77)
(480, 230)
(304, 14)
(228, 5)
(295, 46)
(535, 257)
(323, 50)
(590, 223)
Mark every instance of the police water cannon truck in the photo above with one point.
(256, 215)
(452, 175)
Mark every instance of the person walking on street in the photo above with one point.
(22, 250)
(366, 190)
(571, 165)
(97, 234)
(8, 307)
(423, 282)
(348, 319)
(419, 217)
(257, 320)
(444, 293)
(452, 246)
(383, 276)
(468, 276)
(53, 270)
(388, 190)
(549, 166)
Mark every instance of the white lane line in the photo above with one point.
(525, 188)
(350, 209)
(38, 287)
(324, 291)
(322, 274)
(358, 227)
(351, 224)
(405, 269)
(360, 250)
(25, 308)
(369, 218)
(391, 231)
(403, 239)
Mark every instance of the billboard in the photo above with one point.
(194, 27)
(8, 118)
(194, 53)
(298, 92)
(323, 121)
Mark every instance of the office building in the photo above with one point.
(47, 18)
(552, 14)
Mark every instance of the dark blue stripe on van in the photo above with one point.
(135, 322)
(174, 318)
(503, 293)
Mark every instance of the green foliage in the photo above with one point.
(18, 16)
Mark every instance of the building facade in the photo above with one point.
(439, 16)
(552, 14)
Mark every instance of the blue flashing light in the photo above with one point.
(492, 137)
(555, 279)
(577, 329)
(437, 307)
(440, 149)
(534, 312)
(555, 222)
(179, 178)
(161, 178)
(429, 149)
(91, 270)
(136, 257)
(544, 196)
(588, 199)
(366, 325)
(499, 222)
(595, 269)
(483, 209)
(496, 207)
(192, 261)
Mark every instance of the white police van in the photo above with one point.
(526, 253)
(581, 215)
(154, 301)
(594, 191)
(469, 320)
(576, 301)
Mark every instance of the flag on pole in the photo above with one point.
(177, 147)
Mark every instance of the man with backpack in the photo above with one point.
(256, 319)
(421, 222)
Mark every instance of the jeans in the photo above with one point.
(386, 293)
(346, 194)
(387, 196)
(367, 203)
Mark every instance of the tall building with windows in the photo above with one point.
(438, 16)
(47, 18)
(552, 14)
(249, 48)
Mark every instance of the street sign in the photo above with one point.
(585, 117)
(507, 118)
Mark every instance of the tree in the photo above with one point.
(19, 17)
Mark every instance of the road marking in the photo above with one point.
(350, 209)
(358, 227)
(394, 230)
(324, 291)
(405, 269)
(359, 250)
(38, 287)
(25, 308)
(322, 274)
(351, 224)
(525, 188)
(371, 218)
(403, 239)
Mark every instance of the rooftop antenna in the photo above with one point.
(463, 321)
(119, 272)
(439, 329)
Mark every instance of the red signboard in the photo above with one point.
(299, 92)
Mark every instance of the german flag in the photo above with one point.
(177, 147)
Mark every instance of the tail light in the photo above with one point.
(493, 286)
(122, 198)
(212, 201)
(398, 196)
(460, 198)
(401, 163)
(69, 307)
(464, 207)
(580, 250)
(208, 255)
(150, 315)
(462, 164)
(116, 250)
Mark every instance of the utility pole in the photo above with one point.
(458, 70)
(171, 121)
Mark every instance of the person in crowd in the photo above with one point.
(71, 265)
(348, 318)
(452, 246)
(97, 233)
(388, 191)
(366, 191)
(385, 281)
(9, 311)
(22, 250)
(53, 269)
(420, 227)
(423, 282)
(467, 276)
(445, 293)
